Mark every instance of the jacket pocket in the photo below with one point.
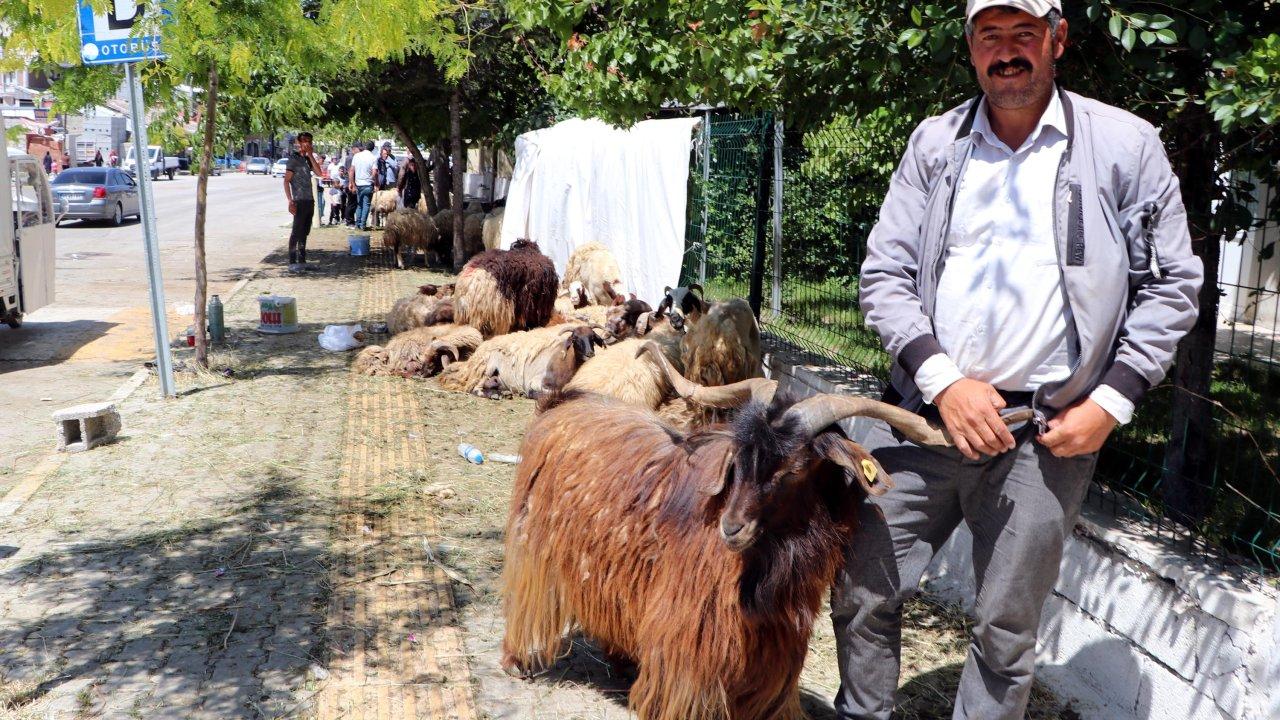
(1075, 228)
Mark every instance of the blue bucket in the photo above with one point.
(359, 244)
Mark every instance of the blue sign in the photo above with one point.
(108, 38)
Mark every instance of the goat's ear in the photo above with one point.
(666, 290)
(856, 460)
(717, 482)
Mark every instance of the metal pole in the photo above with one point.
(160, 323)
(706, 195)
(755, 295)
(775, 303)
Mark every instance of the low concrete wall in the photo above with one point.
(1133, 630)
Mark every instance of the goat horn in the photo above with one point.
(439, 345)
(717, 396)
(569, 329)
(819, 412)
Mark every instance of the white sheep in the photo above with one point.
(595, 267)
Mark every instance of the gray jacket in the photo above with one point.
(1123, 247)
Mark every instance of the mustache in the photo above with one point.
(1018, 63)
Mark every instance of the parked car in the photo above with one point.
(277, 170)
(97, 193)
(258, 165)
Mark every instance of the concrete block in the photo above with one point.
(84, 427)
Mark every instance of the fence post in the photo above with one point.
(775, 300)
(756, 296)
(706, 196)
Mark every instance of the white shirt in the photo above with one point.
(362, 165)
(1001, 314)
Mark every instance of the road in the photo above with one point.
(98, 332)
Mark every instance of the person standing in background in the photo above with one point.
(297, 189)
(410, 184)
(322, 177)
(386, 176)
(361, 181)
(48, 162)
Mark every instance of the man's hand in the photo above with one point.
(971, 411)
(1079, 430)
(293, 207)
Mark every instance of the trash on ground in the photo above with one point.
(340, 338)
(498, 457)
(471, 453)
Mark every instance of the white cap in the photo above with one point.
(1036, 8)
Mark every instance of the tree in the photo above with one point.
(418, 96)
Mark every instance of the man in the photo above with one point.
(1032, 252)
(348, 195)
(388, 169)
(297, 190)
(322, 177)
(361, 183)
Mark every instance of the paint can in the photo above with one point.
(277, 314)
(359, 245)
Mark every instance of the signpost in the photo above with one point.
(107, 39)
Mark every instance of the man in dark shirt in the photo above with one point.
(298, 184)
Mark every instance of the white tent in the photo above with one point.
(584, 180)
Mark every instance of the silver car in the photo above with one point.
(96, 193)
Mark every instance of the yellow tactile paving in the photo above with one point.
(395, 648)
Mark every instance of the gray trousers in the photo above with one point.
(1020, 506)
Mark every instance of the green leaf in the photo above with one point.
(1115, 26)
(1159, 22)
(1148, 37)
(1128, 38)
(915, 16)
(1167, 36)
(1093, 11)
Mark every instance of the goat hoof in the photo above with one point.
(512, 668)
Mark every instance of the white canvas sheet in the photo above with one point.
(584, 180)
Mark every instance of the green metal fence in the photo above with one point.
(803, 281)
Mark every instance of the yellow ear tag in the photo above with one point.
(869, 470)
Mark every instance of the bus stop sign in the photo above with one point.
(109, 37)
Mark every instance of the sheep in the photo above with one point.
(683, 306)
(444, 221)
(411, 230)
(420, 352)
(492, 230)
(594, 266)
(383, 203)
(618, 373)
(503, 290)
(422, 206)
(759, 513)
(723, 346)
(473, 235)
(527, 363)
(430, 306)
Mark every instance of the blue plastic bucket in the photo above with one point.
(359, 244)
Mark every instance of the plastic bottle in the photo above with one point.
(217, 328)
(471, 453)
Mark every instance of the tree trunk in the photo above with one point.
(202, 191)
(1188, 462)
(442, 180)
(459, 169)
(415, 152)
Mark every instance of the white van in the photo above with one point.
(26, 241)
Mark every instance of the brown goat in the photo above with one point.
(703, 558)
(504, 290)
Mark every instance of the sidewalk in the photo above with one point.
(296, 541)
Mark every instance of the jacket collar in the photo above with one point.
(1068, 116)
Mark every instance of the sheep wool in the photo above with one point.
(597, 269)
